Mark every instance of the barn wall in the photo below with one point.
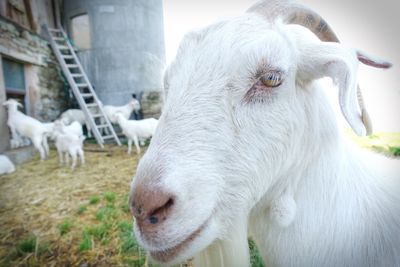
(45, 96)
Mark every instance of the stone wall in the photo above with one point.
(45, 93)
(151, 103)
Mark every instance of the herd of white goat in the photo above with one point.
(67, 133)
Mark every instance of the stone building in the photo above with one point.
(28, 69)
(120, 45)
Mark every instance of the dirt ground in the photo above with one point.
(40, 199)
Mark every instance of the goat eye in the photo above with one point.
(271, 79)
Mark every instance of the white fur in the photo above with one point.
(126, 110)
(26, 126)
(74, 128)
(19, 141)
(273, 165)
(71, 115)
(69, 142)
(135, 130)
(6, 166)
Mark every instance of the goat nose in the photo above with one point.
(150, 206)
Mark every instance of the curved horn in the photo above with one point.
(294, 13)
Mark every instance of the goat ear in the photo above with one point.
(341, 64)
(372, 61)
(332, 60)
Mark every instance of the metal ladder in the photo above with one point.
(81, 87)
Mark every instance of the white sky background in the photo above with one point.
(369, 25)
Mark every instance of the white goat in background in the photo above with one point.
(71, 115)
(26, 126)
(136, 130)
(126, 110)
(6, 166)
(74, 128)
(247, 143)
(69, 142)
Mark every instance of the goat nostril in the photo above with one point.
(161, 212)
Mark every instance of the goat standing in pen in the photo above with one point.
(247, 144)
(26, 126)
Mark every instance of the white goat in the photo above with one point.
(247, 144)
(136, 130)
(23, 125)
(74, 128)
(126, 110)
(71, 115)
(6, 166)
(69, 142)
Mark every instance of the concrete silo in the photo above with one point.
(121, 45)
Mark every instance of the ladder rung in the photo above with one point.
(92, 105)
(67, 56)
(72, 66)
(62, 47)
(98, 115)
(77, 75)
(108, 136)
(102, 126)
(87, 95)
(82, 84)
(58, 39)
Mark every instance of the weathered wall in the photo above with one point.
(44, 85)
(127, 52)
(4, 134)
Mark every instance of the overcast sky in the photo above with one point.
(369, 25)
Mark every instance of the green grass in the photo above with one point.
(81, 209)
(99, 231)
(65, 226)
(86, 242)
(255, 258)
(94, 199)
(129, 244)
(386, 143)
(110, 197)
(106, 213)
(124, 205)
(27, 245)
(394, 150)
(106, 227)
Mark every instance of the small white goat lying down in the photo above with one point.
(136, 130)
(71, 115)
(6, 166)
(247, 144)
(69, 142)
(26, 126)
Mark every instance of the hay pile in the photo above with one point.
(48, 212)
